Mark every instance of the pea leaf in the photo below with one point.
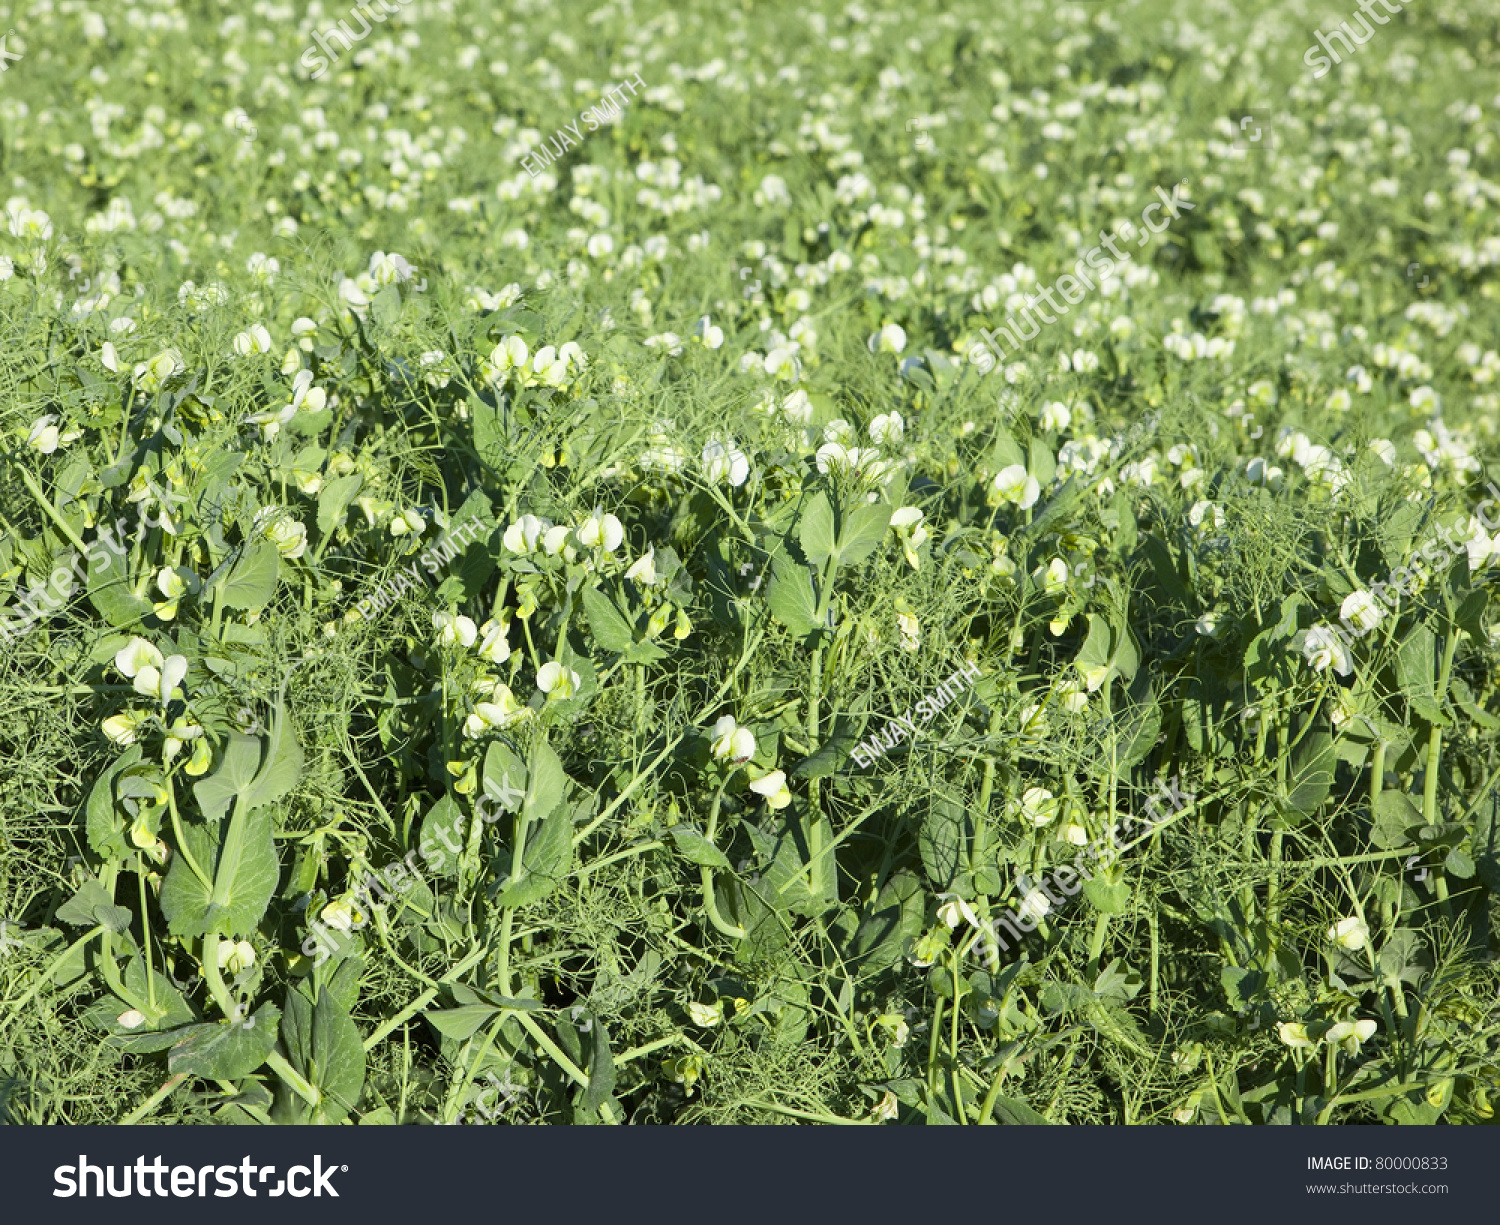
(864, 528)
(104, 824)
(226, 1052)
(91, 905)
(610, 628)
(334, 499)
(816, 532)
(252, 579)
(109, 589)
(240, 861)
(696, 848)
(791, 597)
(234, 776)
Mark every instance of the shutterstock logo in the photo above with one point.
(188, 1181)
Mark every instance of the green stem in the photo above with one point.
(152, 1102)
(706, 874)
(17, 1008)
(277, 1062)
(51, 511)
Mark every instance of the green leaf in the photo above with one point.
(1106, 896)
(546, 862)
(385, 306)
(235, 774)
(109, 590)
(944, 841)
(91, 906)
(1016, 1113)
(227, 1051)
(441, 840)
(337, 1066)
(791, 597)
(1486, 844)
(1243, 987)
(252, 579)
(1041, 463)
(240, 858)
(334, 499)
(1311, 776)
(504, 778)
(281, 765)
(816, 531)
(1395, 815)
(463, 1022)
(548, 782)
(864, 528)
(610, 628)
(548, 854)
(696, 848)
(602, 1077)
(104, 824)
(835, 751)
(885, 928)
(1416, 669)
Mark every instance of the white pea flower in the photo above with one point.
(454, 630)
(711, 337)
(955, 910)
(890, 339)
(305, 397)
(1294, 1034)
(911, 630)
(556, 681)
(288, 535)
(723, 461)
(643, 569)
(781, 363)
(46, 437)
(152, 675)
(560, 539)
(236, 955)
(1056, 417)
(1350, 1035)
(550, 369)
(255, 341)
(124, 729)
(510, 354)
(908, 524)
(131, 1018)
(773, 787)
(732, 742)
(1037, 807)
(888, 428)
(1361, 611)
(706, 1015)
(174, 583)
(1034, 905)
(407, 522)
(151, 375)
(1349, 933)
(500, 711)
(1054, 578)
(525, 534)
(494, 644)
(1324, 650)
(1013, 484)
(606, 532)
(386, 269)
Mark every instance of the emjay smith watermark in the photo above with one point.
(607, 110)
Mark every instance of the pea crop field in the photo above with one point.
(723, 563)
